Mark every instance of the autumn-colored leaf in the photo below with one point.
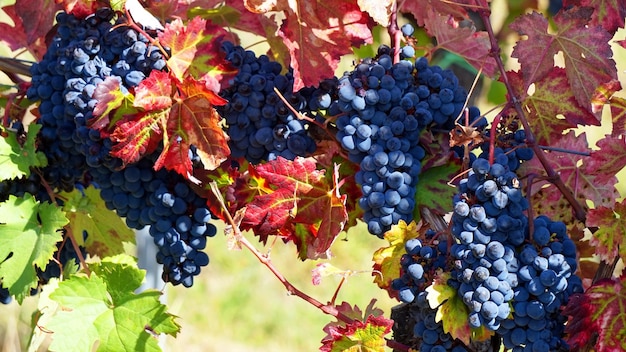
(585, 185)
(551, 99)
(138, 135)
(606, 162)
(194, 121)
(296, 201)
(378, 10)
(432, 190)
(609, 14)
(465, 41)
(154, 92)
(599, 312)
(183, 41)
(609, 240)
(319, 33)
(451, 310)
(79, 8)
(603, 94)
(587, 53)
(365, 333)
(618, 116)
(31, 22)
(387, 259)
(110, 98)
(421, 10)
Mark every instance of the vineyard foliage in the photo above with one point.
(500, 230)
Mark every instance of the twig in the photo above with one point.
(79, 254)
(266, 261)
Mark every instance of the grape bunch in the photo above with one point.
(381, 108)
(260, 125)
(419, 266)
(546, 280)
(489, 223)
(83, 53)
(177, 216)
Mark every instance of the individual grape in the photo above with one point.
(407, 29)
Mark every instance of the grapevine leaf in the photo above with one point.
(364, 334)
(585, 48)
(183, 41)
(110, 98)
(16, 159)
(319, 33)
(103, 309)
(606, 162)
(610, 239)
(79, 8)
(31, 22)
(387, 259)
(618, 115)
(603, 94)
(29, 232)
(296, 201)
(421, 10)
(599, 312)
(106, 230)
(46, 307)
(432, 191)
(585, 185)
(138, 135)
(609, 14)
(473, 46)
(553, 98)
(451, 310)
(154, 92)
(378, 10)
(193, 120)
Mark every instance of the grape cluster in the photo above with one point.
(510, 150)
(259, 124)
(488, 223)
(381, 109)
(419, 265)
(83, 53)
(177, 216)
(546, 280)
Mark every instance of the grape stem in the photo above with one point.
(394, 32)
(79, 254)
(267, 262)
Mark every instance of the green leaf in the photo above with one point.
(88, 212)
(29, 231)
(432, 190)
(451, 310)
(102, 310)
(17, 159)
(609, 240)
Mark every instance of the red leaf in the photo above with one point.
(466, 42)
(609, 14)
(365, 333)
(586, 186)
(618, 116)
(599, 312)
(194, 121)
(378, 10)
(587, 53)
(32, 35)
(109, 98)
(154, 92)
(603, 94)
(183, 41)
(421, 10)
(608, 161)
(295, 200)
(318, 33)
(609, 240)
(137, 135)
(79, 8)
